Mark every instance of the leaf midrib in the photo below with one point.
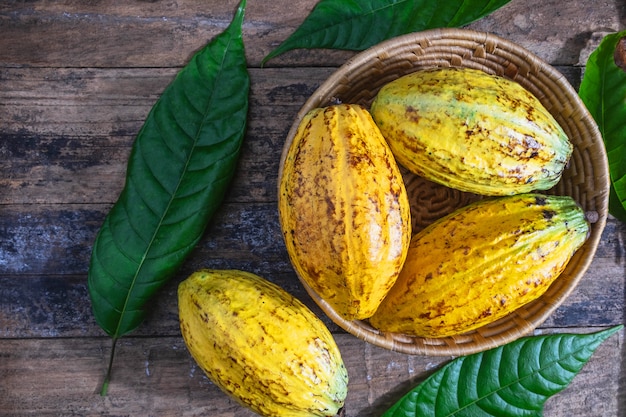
(174, 194)
(385, 7)
(519, 380)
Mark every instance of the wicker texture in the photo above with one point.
(586, 178)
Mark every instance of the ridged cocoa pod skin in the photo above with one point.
(472, 131)
(482, 262)
(343, 209)
(260, 345)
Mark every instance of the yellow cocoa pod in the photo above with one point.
(482, 262)
(260, 345)
(344, 210)
(472, 131)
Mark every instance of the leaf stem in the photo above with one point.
(107, 377)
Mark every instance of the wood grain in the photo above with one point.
(165, 33)
(77, 79)
(67, 133)
(157, 376)
(45, 255)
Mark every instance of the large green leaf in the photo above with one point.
(603, 90)
(513, 380)
(358, 24)
(178, 172)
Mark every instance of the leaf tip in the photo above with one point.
(242, 6)
(612, 330)
(602, 335)
(237, 21)
(273, 54)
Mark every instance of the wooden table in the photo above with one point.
(77, 79)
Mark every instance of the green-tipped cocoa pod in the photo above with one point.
(482, 262)
(260, 345)
(472, 131)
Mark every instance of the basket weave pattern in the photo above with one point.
(586, 178)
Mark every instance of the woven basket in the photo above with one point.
(585, 179)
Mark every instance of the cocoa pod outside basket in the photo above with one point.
(586, 178)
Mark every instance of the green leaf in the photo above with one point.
(513, 380)
(603, 90)
(178, 172)
(358, 24)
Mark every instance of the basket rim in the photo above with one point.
(453, 345)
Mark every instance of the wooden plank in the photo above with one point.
(154, 34)
(66, 133)
(157, 376)
(114, 102)
(59, 306)
(43, 239)
(44, 257)
(164, 34)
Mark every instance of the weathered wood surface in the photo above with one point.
(77, 79)
(156, 377)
